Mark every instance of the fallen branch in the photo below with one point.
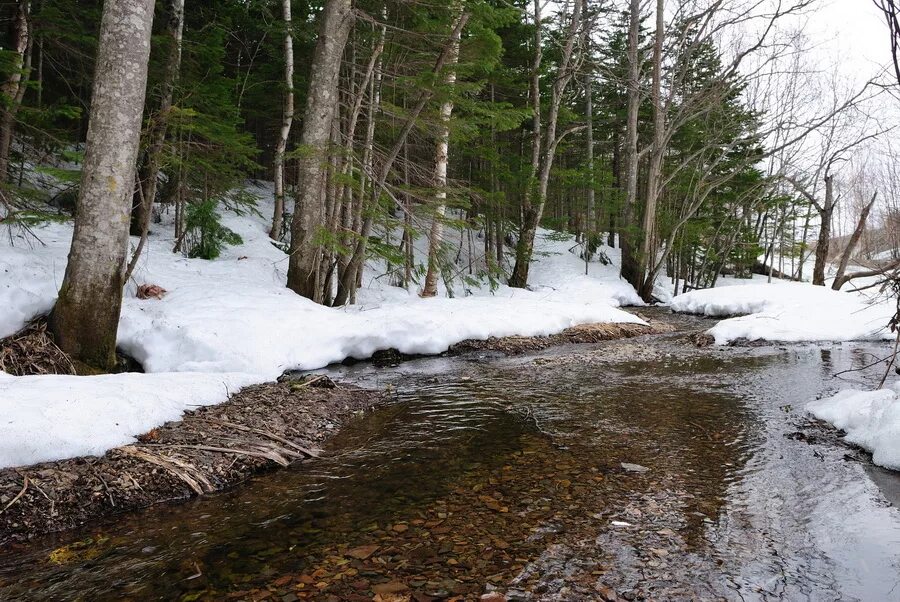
(309, 453)
(271, 455)
(18, 497)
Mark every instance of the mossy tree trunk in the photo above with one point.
(86, 317)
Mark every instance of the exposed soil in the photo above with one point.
(210, 449)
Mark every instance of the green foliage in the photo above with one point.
(206, 236)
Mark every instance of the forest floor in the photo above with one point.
(212, 448)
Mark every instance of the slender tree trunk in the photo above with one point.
(629, 269)
(851, 244)
(590, 217)
(519, 276)
(353, 272)
(440, 177)
(321, 103)
(148, 172)
(536, 195)
(287, 119)
(654, 172)
(13, 89)
(824, 240)
(86, 317)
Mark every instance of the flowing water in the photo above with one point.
(506, 473)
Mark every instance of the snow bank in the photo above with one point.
(788, 311)
(53, 417)
(231, 322)
(871, 419)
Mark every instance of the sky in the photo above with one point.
(852, 31)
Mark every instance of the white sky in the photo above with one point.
(854, 32)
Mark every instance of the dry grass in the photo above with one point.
(32, 351)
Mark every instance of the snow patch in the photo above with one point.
(870, 418)
(789, 312)
(53, 417)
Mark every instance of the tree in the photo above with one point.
(436, 234)
(544, 144)
(148, 172)
(12, 90)
(287, 118)
(891, 12)
(86, 316)
(305, 249)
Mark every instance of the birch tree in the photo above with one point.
(287, 119)
(436, 234)
(86, 317)
(12, 91)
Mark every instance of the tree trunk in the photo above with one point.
(86, 317)
(148, 172)
(654, 172)
(536, 195)
(629, 270)
(440, 177)
(519, 275)
(287, 118)
(13, 89)
(321, 103)
(590, 219)
(851, 244)
(824, 233)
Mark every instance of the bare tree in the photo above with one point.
(287, 118)
(543, 146)
(850, 248)
(86, 317)
(891, 12)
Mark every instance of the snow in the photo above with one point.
(870, 418)
(789, 312)
(53, 417)
(231, 322)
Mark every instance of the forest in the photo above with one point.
(227, 227)
(659, 130)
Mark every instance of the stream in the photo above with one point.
(495, 473)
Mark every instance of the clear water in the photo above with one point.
(731, 507)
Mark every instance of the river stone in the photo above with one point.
(634, 467)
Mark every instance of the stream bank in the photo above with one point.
(260, 428)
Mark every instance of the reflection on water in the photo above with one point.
(730, 507)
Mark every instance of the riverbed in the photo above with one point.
(644, 468)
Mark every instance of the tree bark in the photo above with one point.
(287, 118)
(590, 219)
(654, 172)
(436, 234)
(13, 89)
(827, 210)
(86, 317)
(148, 172)
(629, 270)
(321, 103)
